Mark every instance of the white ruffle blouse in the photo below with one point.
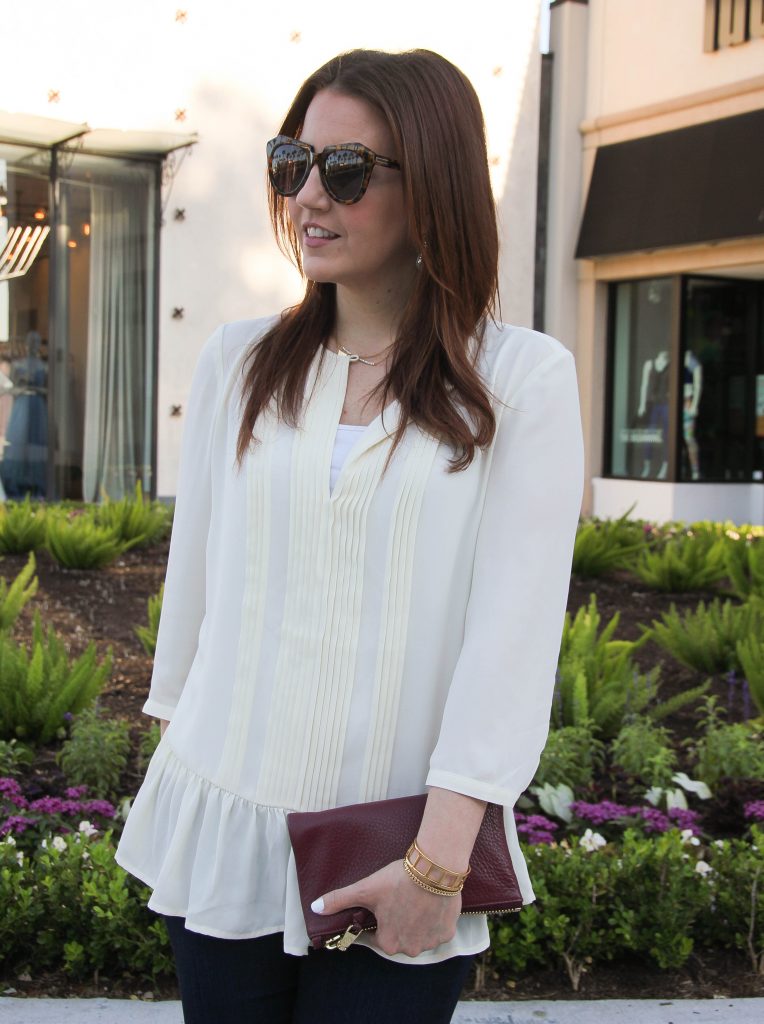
(330, 635)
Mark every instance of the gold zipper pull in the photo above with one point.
(344, 940)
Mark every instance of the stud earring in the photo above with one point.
(419, 259)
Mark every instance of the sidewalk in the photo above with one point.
(625, 1011)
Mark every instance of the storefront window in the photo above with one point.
(715, 396)
(77, 325)
(640, 378)
(25, 240)
(718, 382)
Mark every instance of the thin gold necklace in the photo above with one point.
(354, 357)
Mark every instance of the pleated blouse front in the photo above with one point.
(330, 634)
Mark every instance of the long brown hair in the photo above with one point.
(435, 118)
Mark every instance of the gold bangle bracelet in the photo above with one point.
(445, 878)
(429, 888)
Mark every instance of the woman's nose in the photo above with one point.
(313, 195)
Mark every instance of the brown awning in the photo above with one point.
(698, 184)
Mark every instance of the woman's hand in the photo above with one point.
(409, 919)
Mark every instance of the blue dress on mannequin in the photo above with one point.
(25, 456)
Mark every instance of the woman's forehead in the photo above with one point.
(334, 117)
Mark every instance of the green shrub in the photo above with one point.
(750, 654)
(643, 750)
(79, 543)
(683, 563)
(658, 898)
(71, 907)
(148, 743)
(14, 756)
(96, 753)
(706, 639)
(738, 886)
(728, 750)
(20, 592)
(572, 755)
(22, 527)
(134, 519)
(38, 690)
(598, 681)
(603, 545)
(148, 634)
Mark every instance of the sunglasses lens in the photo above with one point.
(288, 168)
(344, 172)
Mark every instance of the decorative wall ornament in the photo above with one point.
(19, 250)
(176, 410)
(180, 213)
(178, 312)
(53, 95)
(295, 37)
(180, 114)
(181, 16)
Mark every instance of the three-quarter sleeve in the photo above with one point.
(496, 718)
(183, 604)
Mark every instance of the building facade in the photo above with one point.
(654, 263)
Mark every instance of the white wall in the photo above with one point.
(234, 67)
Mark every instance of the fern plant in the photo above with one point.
(20, 592)
(707, 639)
(744, 560)
(134, 518)
(684, 563)
(22, 527)
(80, 543)
(38, 689)
(750, 654)
(603, 545)
(148, 634)
(598, 680)
(96, 753)
(725, 750)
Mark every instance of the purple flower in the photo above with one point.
(14, 824)
(102, 807)
(755, 810)
(539, 838)
(75, 792)
(599, 813)
(9, 786)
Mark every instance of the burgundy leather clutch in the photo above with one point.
(337, 847)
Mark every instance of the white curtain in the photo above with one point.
(116, 449)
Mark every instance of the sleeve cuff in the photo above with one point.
(158, 710)
(476, 788)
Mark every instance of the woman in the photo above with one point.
(368, 573)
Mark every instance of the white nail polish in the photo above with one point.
(317, 906)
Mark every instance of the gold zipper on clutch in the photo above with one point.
(344, 940)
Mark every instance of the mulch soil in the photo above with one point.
(104, 606)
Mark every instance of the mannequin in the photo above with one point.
(653, 400)
(24, 461)
(692, 387)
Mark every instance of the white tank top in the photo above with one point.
(347, 434)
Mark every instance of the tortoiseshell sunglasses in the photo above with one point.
(345, 170)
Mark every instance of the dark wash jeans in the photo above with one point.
(249, 981)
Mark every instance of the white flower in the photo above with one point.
(692, 785)
(87, 828)
(85, 855)
(555, 800)
(702, 868)
(9, 840)
(59, 843)
(20, 858)
(719, 843)
(676, 798)
(653, 795)
(44, 844)
(592, 841)
(688, 836)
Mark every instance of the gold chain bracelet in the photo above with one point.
(429, 888)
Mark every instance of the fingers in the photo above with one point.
(341, 899)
